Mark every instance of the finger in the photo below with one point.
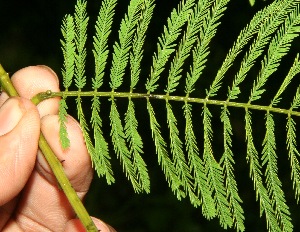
(103, 226)
(75, 225)
(43, 203)
(19, 130)
(32, 80)
(75, 160)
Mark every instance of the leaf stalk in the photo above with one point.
(185, 99)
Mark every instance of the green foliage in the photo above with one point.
(199, 175)
(68, 48)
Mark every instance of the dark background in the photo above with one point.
(30, 34)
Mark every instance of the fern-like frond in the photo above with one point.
(84, 128)
(81, 23)
(121, 48)
(68, 48)
(292, 141)
(227, 162)
(103, 30)
(136, 146)
(293, 155)
(197, 167)
(118, 138)
(214, 173)
(62, 116)
(163, 157)
(189, 30)
(100, 51)
(279, 47)
(210, 27)
(200, 53)
(139, 38)
(295, 69)
(166, 42)
(196, 19)
(181, 167)
(101, 158)
(131, 123)
(256, 175)
(274, 185)
(243, 39)
(279, 10)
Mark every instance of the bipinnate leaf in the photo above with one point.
(122, 48)
(68, 48)
(206, 176)
(214, 173)
(63, 134)
(101, 160)
(227, 162)
(197, 167)
(118, 139)
(103, 30)
(163, 157)
(166, 44)
(136, 147)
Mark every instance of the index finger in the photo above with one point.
(32, 80)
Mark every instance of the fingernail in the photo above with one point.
(103, 226)
(49, 70)
(10, 114)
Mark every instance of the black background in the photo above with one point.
(30, 34)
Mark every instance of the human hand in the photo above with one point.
(29, 197)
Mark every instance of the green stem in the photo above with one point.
(48, 94)
(53, 162)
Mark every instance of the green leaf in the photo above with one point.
(256, 173)
(197, 167)
(63, 134)
(274, 185)
(163, 157)
(166, 44)
(214, 173)
(136, 146)
(227, 162)
(103, 30)
(187, 36)
(252, 2)
(68, 48)
(120, 147)
(181, 167)
(122, 48)
(81, 23)
(139, 39)
(102, 157)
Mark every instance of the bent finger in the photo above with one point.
(19, 130)
(32, 80)
(75, 225)
(42, 189)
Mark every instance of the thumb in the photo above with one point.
(19, 132)
(75, 225)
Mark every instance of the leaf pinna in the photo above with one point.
(207, 178)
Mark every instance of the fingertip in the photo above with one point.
(76, 225)
(19, 127)
(102, 226)
(32, 80)
(35, 79)
(10, 114)
(76, 160)
(50, 71)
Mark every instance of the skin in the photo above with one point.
(29, 197)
